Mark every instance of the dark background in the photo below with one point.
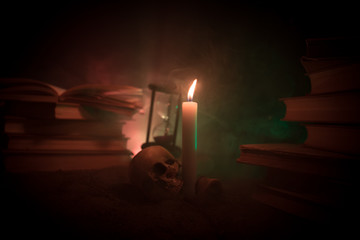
(245, 55)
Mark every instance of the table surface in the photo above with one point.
(95, 204)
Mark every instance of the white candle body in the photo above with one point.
(189, 147)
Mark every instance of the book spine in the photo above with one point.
(33, 110)
(62, 127)
(334, 138)
(335, 108)
(19, 143)
(345, 78)
(18, 163)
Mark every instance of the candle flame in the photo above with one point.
(191, 91)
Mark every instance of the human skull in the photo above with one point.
(156, 172)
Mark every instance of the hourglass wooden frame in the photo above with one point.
(171, 145)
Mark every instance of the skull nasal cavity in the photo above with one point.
(159, 169)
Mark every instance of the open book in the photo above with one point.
(121, 99)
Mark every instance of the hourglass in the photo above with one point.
(164, 115)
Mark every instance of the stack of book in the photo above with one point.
(316, 179)
(47, 128)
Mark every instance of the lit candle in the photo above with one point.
(189, 143)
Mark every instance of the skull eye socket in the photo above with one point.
(170, 161)
(159, 169)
